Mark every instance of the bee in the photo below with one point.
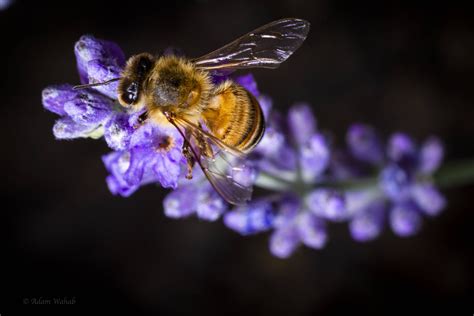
(220, 123)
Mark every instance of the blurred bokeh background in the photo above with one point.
(400, 68)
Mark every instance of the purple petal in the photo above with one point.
(181, 202)
(118, 131)
(284, 241)
(312, 230)
(90, 48)
(98, 61)
(116, 187)
(89, 108)
(117, 163)
(301, 122)
(405, 220)
(286, 159)
(283, 160)
(266, 105)
(54, 98)
(364, 143)
(428, 198)
(155, 152)
(314, 157)
(148, 165)
(101, 71)
(210, 206)
(431, 155)
(328, 204)
(66, 128)
(395, 183)
(272, 143)
(249, 83)
(287, 211)
(155, 136)
(167, 168)
(368, 223)
(141, 159)
(250, 219)
(401, 148)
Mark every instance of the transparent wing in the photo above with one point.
(220, 170)
(224, 168)
(265, 47)
(199, 132)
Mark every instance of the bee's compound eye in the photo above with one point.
(131, 93)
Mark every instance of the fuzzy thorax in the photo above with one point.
(175, 85)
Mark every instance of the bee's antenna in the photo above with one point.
(83, 86)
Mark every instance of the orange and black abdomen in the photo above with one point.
(234, 116)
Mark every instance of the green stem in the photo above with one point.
(272, 182)
(452, 174)
(455, 174)
(356, 184)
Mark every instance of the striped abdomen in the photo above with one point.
(234, 116)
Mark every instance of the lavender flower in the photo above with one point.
(404, 187)
(144, 154)
(311, 183)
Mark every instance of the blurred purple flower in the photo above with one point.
(300, 158)
(405, 181)
(5, 4)
(364, 143)
(404, 187)
(197, 197)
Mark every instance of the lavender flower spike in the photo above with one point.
(144, 154)
(310, 182)
(91, 112)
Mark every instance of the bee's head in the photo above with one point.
(133, 79)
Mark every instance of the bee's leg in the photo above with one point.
(188, 154)
(141, 120)
(189, 159)
(204, 146)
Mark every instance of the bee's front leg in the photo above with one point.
(141, 120)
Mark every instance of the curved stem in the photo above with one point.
(455, 174)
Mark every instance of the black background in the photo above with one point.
(64, 235)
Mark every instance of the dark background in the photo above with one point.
(64, 235)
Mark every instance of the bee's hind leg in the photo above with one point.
(189, 159)
(188, 154)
